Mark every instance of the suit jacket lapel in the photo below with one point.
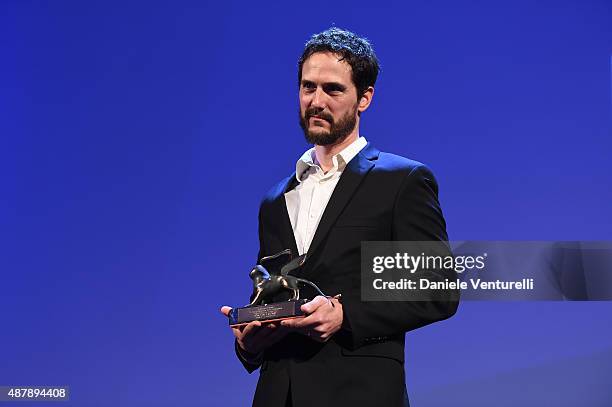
(350, 179)
(280, 207)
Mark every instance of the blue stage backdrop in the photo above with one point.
(137, 139)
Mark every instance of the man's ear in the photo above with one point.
(366, 99)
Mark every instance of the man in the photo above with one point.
(345, 352)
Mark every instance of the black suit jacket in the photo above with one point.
(379, 196)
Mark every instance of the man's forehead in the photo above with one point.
(326, 64)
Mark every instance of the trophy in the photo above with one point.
(268, 284)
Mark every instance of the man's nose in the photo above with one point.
(318, 99)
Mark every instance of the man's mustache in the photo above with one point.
(319, 114)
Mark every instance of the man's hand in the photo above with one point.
(255, 337)
(323, 319)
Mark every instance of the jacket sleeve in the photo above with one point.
(417, 216)
(249, 361)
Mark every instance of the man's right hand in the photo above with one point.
(255, 337)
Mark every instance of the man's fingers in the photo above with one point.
(293, 323)
(225, 310)
(251, 328)
(262, 337)
(312, 306)
(268, 333)
(298, 323)
(264, 331)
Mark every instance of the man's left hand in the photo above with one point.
(323, 319)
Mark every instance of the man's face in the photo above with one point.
(328, 99)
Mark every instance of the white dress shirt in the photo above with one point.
(307, 201)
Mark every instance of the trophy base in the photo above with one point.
(266, 313)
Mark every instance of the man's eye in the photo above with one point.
(333, 90)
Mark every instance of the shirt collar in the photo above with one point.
(340, 160)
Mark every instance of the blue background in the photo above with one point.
(137, 138)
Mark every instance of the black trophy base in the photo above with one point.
(266, 313)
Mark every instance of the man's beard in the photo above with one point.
(338, 130)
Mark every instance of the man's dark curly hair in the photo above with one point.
(356, 51)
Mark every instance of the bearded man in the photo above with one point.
(345, 352)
